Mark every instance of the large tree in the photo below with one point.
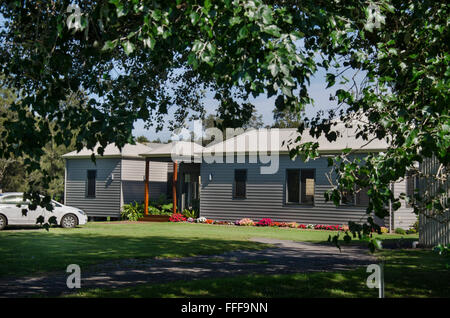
(137, 59)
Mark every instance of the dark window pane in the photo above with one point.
(362, 198)
(91, 175)
(293, 186)
(308, 185)
(347, 198)
(240, 180)
(169, 185)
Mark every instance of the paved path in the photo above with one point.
(284, 257)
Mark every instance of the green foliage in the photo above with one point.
(443, 250)
(142, 139)
(400, 231)
(132, 211)
(392, 57)
(190, 213)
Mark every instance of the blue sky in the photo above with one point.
(263, 105)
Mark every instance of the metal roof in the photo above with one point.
(281, 140)
(112, 151)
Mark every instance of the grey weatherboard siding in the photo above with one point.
(265, 195)
(107, 192)
(126, 187)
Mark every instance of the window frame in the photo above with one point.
(88, 195)
(235, 196)
(300, 188)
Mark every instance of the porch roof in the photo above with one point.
(177, 150)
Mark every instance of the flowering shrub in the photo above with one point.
(265, 222)
(310, 226)
(190, 220)
(292, 225)
(246, 222)
(328, 227)
(384, 230)
(177, 217)
(301, 226)
(201, 220)
(209, 221)
(275, 224)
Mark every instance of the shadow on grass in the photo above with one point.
(27, 252)
(414, 273)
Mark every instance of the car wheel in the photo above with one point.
(69, 221)
(3, 222)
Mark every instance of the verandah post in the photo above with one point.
(174, 186)
(147, 176)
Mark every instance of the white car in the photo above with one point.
(11, 205)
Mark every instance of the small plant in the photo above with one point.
(177, 217)
(265, 222)
(384, 230)
(132, 211)
(411, 231)
(189, 213)
(246, 222)
(292, 225)
(201, 220)
(400, 231)
(442, 249)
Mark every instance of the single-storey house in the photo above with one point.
(250, 175)
(102, 187)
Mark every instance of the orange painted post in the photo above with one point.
(147, 177)
(174, 186)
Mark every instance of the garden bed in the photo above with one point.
(155, 218)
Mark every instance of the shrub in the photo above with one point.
(302, 226)
(132, 211)
(189, 213)
(246, 222)
(177, 217)
(209, 221)
(310, 226)
(400, 231)
(292, 225)
(411, 231)
(265, 222)
(384, 230)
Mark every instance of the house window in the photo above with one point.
(169, 190)
(91, 180)
(410, 187)
(240, 183)
(362, 198)
(300, 186)
(359, 197)
(293, 186)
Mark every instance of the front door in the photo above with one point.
(190, 191)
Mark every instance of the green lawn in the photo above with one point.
(408, 273)
(31, 251)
